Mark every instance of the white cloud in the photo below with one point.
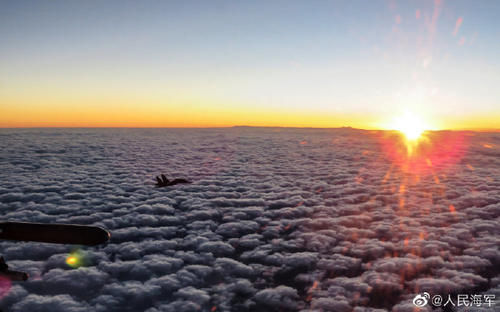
(268, 223)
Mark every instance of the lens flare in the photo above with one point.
(5, 286)
(76, 259)
(435, 151)
(71, 260)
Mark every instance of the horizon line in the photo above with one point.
(242, 126)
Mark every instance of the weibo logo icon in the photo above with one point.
(421, 300)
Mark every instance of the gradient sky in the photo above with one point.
(263, 63)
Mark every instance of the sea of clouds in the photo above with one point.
(275, 220)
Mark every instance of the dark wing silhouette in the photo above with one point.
(9, 274)
(178, 181)
(165, 180)
(54, 233)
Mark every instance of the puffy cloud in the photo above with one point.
(269, 224)
(15, 294)
(331, 304)
(217, 248)
(279, 297)
(233, 268)
(83, 281)
(59, 303)
(237, 229)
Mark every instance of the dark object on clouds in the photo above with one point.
(54, 233)
(48, 233)
(11, 275)
(166, 182)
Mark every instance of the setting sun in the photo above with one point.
(410, 125)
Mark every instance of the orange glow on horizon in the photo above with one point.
(192, 114)
(172, 116)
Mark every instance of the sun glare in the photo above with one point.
(410, 126)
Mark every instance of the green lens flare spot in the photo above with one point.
(75, 259)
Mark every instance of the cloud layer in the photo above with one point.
(276, 220)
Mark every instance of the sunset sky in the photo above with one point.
(260, 63)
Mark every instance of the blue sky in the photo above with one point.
(323, 57)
